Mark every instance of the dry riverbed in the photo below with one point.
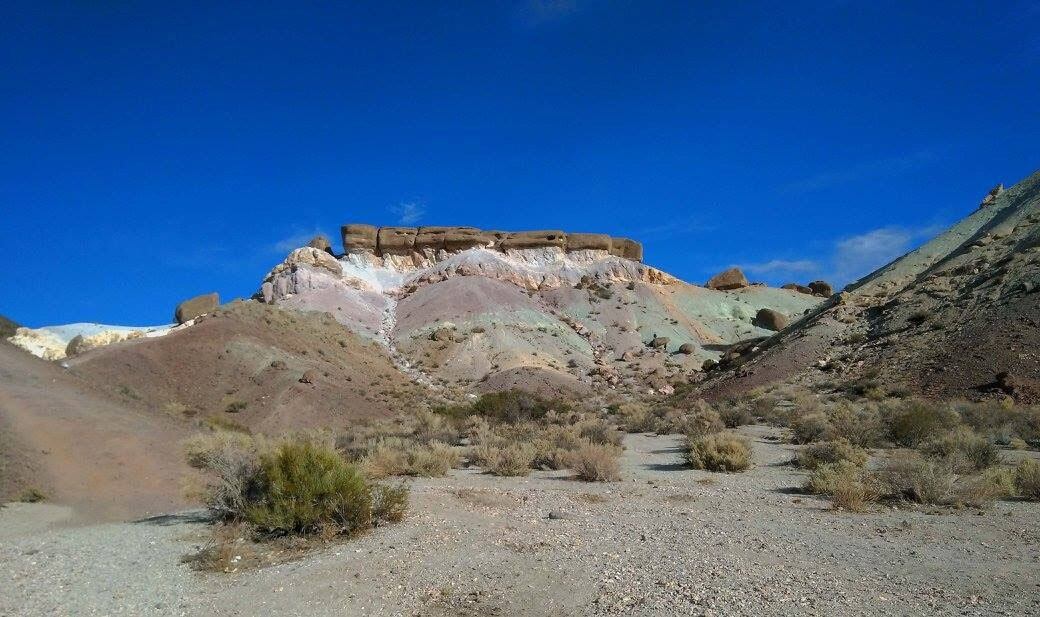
(665, 541)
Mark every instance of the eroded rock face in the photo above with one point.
(359, 238)
(321, 243)
(199, 305)
(627, 248)
(399, 240)
(728, 279)
(588, 242)
(534, 239)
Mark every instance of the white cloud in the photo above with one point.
(408, 212)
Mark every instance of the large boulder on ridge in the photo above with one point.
(451, 238)
(732, 278)
(321, 243)
(822, 289)
(627, 248)
(396, 239)
(193, 307)
(359, 238)
(588, 242)
(534, 239)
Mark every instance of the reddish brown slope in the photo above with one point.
(80, 448)
(250, 357)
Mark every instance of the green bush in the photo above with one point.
(735, 413)
(924, 480)
(966, 450)
(304, 488)
(826, 452)
(860, 424)
(700, 419)
(718, 452)
(825, 477)
(914, 421)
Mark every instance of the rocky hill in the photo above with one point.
(956, 318)
(545, 310)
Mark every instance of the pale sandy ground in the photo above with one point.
(662, 542)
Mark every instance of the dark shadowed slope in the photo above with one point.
(957, 317)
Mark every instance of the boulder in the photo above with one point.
(728, 279)
(315, 258)
(660, 342)
(359, 238)
(534, 239)
(770, 320)
(442, 335)
(321, 243)
(687, 348)
(193, 307)
(588, 242)
(310, 376)
(822, 289)
(799, 288)
(396, 240)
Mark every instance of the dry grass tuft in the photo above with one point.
(594, 462)
(718, 452)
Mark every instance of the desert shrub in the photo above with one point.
(513, 406)
(734, 414)
(389, 503)
(700, 419)
(810, 428)
(718, 452)
(599, 432)
(826, 452)
(1002, 423)
(511, 460)
(433, 460)
(854, 491)
(1017, 443)
(430, 426)
(299, 486)
(924, 480)
(981, 490)
(303, 487)
(232, 461)
(31, 495)
(966, 450)
(859, 424)
(636, 418)
(1027, 479)
(220, 423)
(913, 421)
(384, 457)
(594, 462)
(826, 477)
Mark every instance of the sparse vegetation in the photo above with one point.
(718, 452)
(596, 462)
(31, 495)
(1027, 479)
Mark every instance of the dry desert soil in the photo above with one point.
(666, 540)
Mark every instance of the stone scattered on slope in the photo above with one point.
(193, 307)
(770, 320)
(732, 278)
(822, 289)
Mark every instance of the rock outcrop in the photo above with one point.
(732, 278)
(321, 243)
(822, 289)
(7, 327)
(199, 305)
(425, 243)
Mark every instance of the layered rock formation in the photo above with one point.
(425, 243)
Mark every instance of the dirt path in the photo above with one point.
(665, 541)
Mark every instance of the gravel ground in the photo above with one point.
(665, 541)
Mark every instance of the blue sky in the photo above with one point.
(153, 151)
